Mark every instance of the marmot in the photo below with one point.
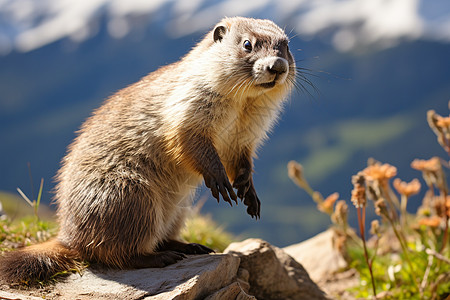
(128, 177)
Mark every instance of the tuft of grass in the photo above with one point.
(407, 255)
(24, 232)
(201, 229)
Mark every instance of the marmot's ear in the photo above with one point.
(219, 32)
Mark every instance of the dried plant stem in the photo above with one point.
(25, 197)
(35, 203)
(437, 255)
(361, 210)
(446, 144)
(425, 276)
(405, 252)
(444, 240)
(403, 212)
(375, 250)
(38, 200)
(308, 189)
(388, 197)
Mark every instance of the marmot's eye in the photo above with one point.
(248, 46)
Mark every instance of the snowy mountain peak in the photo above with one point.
(26, 25)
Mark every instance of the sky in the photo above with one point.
(26, 25)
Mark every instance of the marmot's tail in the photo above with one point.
(37, 263)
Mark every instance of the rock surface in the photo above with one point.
(318, 255)
(252, 269)
(324, 263)
(16, 296)
(194, 278)
(272, 273)
(233, 291)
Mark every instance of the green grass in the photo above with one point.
(398, 284)
(24, 223)
(203, 230)
(24, 232)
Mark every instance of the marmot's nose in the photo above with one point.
(278, 66)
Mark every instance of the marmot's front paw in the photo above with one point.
(243, 182)
(246, 191)
(218, 183)
(252, 202)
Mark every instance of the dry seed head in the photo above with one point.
(432, 117)
(326, 205)
(407, 189)
(440, 205)
(359, 190)
(381, 208)
(378, 171)
(359, 196)
(358, 179)
(441, 127)
(372, 193)
(443, 122)
(431, 165)
(433, 221)
(432, 172)
(375, 227)
(447, 205)
(340, 213)
(295, 170)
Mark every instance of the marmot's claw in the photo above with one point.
(219, 184)
(246, 192)
(242, 182)
(253, 203)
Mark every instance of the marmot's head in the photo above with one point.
(251, 58)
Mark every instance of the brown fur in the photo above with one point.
(38, 262)
(128, 178)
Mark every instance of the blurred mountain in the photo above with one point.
(372, 101)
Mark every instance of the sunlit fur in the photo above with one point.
(126, 183)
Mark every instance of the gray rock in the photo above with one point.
(318, 255)
(272, 273)
(233, 291)
(249, 270)
(193, 278)
(15, 296)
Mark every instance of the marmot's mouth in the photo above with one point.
(268, 85)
